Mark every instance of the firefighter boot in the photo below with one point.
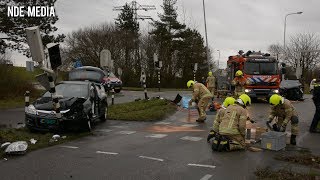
(293, 140)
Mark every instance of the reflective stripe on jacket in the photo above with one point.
(233, 121)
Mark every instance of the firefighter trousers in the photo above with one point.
(202, 105)
(212, 90)
(294, 124)
(316, 118)
(236, 142)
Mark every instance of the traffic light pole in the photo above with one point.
(159, 79)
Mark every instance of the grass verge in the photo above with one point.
(155, 109)
(303, 158)
(18, 101)
(283, 174)
(43, 139)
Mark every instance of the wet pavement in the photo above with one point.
(174, 148)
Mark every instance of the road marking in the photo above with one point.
(190, 138)
(103, 130)
(157, 136)
(126, 132)
(151, 158)
(109, 153)
(189, 125)
(163, 123)
(70, 147)
(206, 177)
(122, 127)
(202, 165)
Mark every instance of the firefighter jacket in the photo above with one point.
(232, 121)
(240, 83)
(211, 81)
(283, 111)
(200, 91)
(217, 119)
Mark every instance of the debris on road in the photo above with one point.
(5, 145)
(33, 141)
(56, 137)
(17, 148)
(20, 125)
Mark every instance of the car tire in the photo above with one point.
(117, 90)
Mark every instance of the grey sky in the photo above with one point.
(232, 24)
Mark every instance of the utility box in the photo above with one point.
(273, 140)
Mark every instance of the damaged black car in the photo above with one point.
(81, 104)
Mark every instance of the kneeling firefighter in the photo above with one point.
(201, 95)
(285, 112)
(230, 126)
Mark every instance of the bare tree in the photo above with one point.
(5, 58)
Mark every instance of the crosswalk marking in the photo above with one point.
(190, 138)
(157, 135)
(202, 165)
(151, 158)
(126, 132)
(206, 177)
(109, 153)
(70, 147)
(189, 125)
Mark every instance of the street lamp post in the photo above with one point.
(206, 34)
(285, 26)
(219, 60)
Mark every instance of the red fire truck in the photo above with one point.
(260, 69)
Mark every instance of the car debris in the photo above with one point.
(20, 125)
(17, 148)
(33, 141)
(5, 145)
(56, 137)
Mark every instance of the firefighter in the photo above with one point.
(316, 101)
(228, 101)
(285, 112)
(312, 83)
(201, 95)
(232, 126)
(211, 83)
(239, 82)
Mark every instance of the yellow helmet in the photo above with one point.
(276, 100)
(210, 73)
(229, 101)
(190, 83)
(244, 99)
(239, 73)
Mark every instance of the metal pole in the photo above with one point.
(112, 97)
(159, 79)
(206, 34)
(27, 98)
(219, 60)
(285, 27)
(194, 75)
(144, 86)
(55, 98)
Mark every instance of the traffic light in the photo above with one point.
(35, 43)
(54, 55)
(283, 68)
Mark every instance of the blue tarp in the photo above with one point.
(185, 101)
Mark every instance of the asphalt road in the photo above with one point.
(175, 148)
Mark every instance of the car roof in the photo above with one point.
(90, 68)
(76, 82)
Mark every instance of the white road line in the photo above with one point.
(151, 158)
(157, 136)
(190, 138)
(206, 177)
(109, 153)
(126, 132)
(70, 147)
(163, 123)
(189, 125)
(202, 165)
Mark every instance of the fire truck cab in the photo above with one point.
(261, 70)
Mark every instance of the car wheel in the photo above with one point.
(117, 90)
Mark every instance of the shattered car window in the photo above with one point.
(70, 90)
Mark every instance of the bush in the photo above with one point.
(14, 82)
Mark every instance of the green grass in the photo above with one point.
(18, 102)
(154, 89)
(151, 110)
(12, 135)
(283, 174)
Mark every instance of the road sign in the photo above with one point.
(77, 63)
(43, 80)
(54, 55)
(155, 57)
(35, 43)
(105, 58)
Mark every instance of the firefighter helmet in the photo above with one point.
(190, 83)
(228, 101)
(239, 73)
(209, 73)
(276, 100)
(244, 99)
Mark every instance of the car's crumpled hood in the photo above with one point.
(45, 103)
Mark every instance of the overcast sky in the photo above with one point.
(232, 24)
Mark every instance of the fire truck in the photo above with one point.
(261, 70)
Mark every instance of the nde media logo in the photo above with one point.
(31, 11)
